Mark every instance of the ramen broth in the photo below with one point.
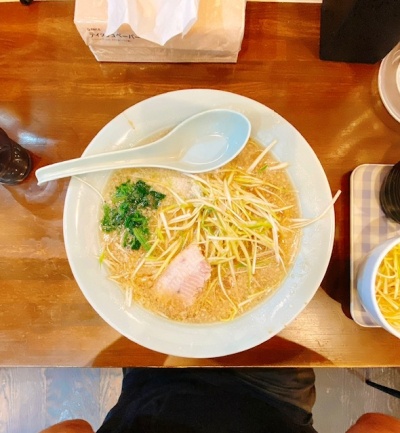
(238, 292)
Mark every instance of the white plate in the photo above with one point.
(81, 225)
(388, 82)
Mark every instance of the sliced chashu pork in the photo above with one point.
(186, 275)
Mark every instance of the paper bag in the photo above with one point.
(215, 35)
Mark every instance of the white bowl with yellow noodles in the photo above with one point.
(241, 324)
(378, 284)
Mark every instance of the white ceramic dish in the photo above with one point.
(366, 282)
(389, 82)
(81, 225)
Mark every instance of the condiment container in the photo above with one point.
(15, 161)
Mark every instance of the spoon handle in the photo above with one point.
(89, 164)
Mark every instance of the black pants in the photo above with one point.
(194, 400)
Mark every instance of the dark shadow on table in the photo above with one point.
(336, 282)
(276, 352)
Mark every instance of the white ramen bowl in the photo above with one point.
(82, 241)
(366, 278)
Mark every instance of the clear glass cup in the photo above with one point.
(15, 161)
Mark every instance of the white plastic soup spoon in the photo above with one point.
(201, 143)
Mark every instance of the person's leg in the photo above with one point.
(275, 395)
(295, 386)
(70, 426)
(375, 423)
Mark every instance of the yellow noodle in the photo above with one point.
(387, 287)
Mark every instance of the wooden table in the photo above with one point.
(55, 97)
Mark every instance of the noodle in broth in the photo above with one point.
(241, 218)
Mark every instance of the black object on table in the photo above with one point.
(358, 31)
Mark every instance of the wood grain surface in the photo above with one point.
(54, 99)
